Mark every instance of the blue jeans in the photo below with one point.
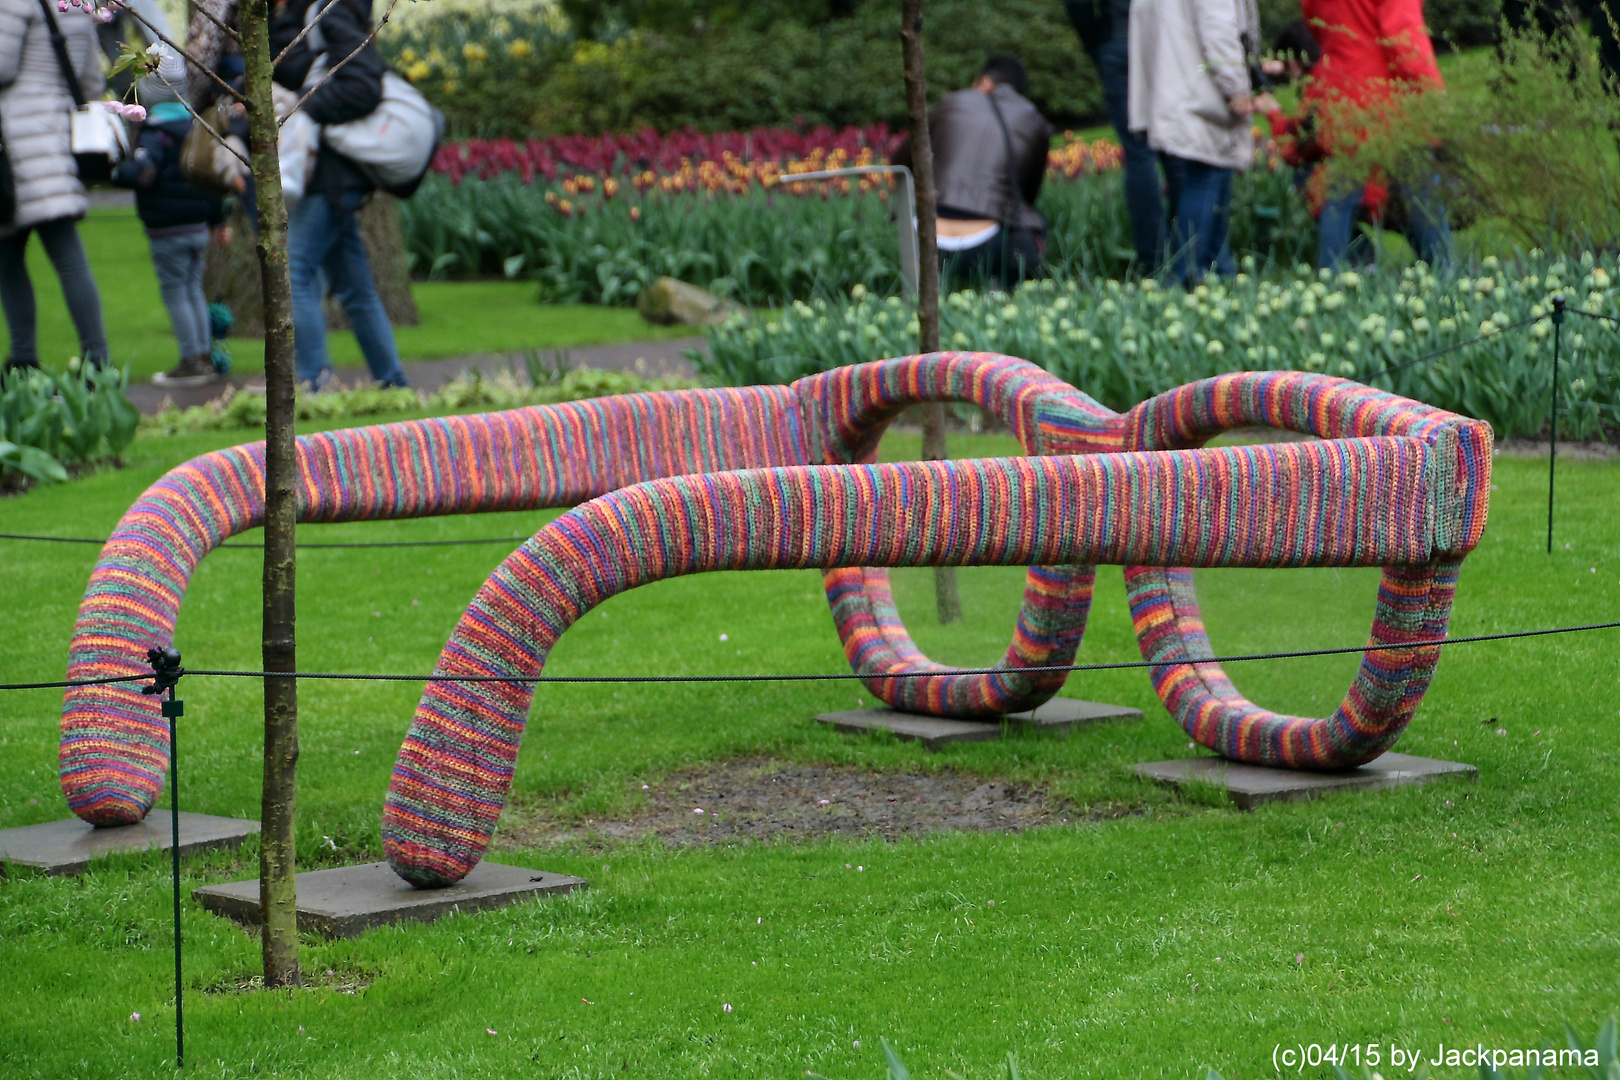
(1144, 202)
(179, 262)
(1200, 205)
(320, 237)
(1427, 228)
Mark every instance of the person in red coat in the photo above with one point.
(1371, 50)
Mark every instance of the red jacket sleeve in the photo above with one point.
(1405, 38)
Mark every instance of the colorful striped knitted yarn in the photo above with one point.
(114, 748)
(1399, 485)
(1414, 598)
(847, 410)
(1365, 503)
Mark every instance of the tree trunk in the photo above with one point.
(278, 900)
(232, 274)
(946, 598)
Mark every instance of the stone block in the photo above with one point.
(1060, 716)
(1248, 786)
(350, 900)
(66, 847)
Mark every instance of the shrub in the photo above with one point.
(732, 75)
(486, 69)
(1124, 342)
(1544, 166)
(50, 421)
(523, 68)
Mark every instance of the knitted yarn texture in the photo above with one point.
(768, 477)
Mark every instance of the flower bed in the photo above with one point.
(731, 162)
(1124, 342)
(732, 227)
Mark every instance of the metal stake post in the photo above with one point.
(1552, 455)
(167, 671)
(905, 211)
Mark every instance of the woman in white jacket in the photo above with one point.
(36, 116)
(1190, 97)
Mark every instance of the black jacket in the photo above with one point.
(1098, 21)
(351, 92)
(164, 199)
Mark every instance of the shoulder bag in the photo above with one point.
(1018, 241)
(8, 187)
(99, 139)
(393, 145)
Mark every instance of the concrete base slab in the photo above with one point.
(1060, 715)
(1250, 785)
(349, 900)
(932, 731)
(66, 847)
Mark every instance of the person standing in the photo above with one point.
(1191, 99)
(1104, 29)
(323, 232)
(1371, 49)
(36, 116)
(990, 147)
(324, 246)
(178, 219)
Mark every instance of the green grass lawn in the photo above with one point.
(1167, 935)
(458, 318)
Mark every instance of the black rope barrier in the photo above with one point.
(1426, 357)
(1593, 315)
(1118, 665)
(312, 544)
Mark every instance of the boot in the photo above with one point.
(195, 370)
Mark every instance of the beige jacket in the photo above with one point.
(1187, 59)
(36, 110)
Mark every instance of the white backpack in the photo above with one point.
(392, 145)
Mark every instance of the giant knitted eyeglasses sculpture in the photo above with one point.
(777, 477)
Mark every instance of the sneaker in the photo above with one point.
(190, 371)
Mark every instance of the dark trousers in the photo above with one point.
(61, 240)
(1427, 227)
(1144, 201)
(1002, 262)
(1200, 208)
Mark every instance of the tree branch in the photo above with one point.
(196, 118)
(202, 10)
(335, 68)
(186, 56)
(302, 34)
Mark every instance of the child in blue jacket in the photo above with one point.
(179, 219)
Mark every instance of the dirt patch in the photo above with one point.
(347, 980)
(761, 800)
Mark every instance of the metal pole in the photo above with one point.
(1552, 447)
(174, 710)
(166, 672)
(905, 215)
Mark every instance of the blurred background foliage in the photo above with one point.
(591, 66)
